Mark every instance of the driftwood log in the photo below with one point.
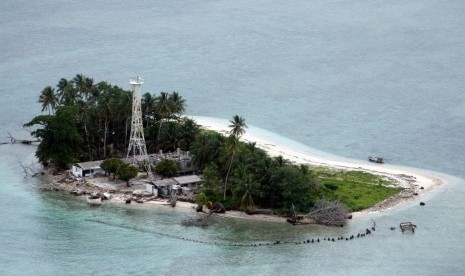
(30, 169)
(22, 141)
(259, 212)
(331, 213)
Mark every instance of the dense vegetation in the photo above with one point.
(88, 121)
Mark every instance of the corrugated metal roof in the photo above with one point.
(165, 182)
(89, 165)
(187, 179)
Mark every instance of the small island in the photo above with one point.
(84, 131)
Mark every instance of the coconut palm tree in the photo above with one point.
(79, 82)
(254, 159)
(84, 114)
(122, 118)
(238, 127)
(48, 99)
(62, 85)
(92, 91)
(148, 105)
(177, 104)
(105, 110)
(201, 149)
(163, 107)
(231, 147)
(67, 93)
(244, 187)
(170, 136)
(206, 148)
(189, 129)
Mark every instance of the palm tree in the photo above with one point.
(105, 110)
(163, 110)
(177, 103)
(48, 99)
(92, 91)
(80, 83)
(206, 148)
(163, 106)
(231, 147)
(115, 113)
(171, 136)
(255, 160)
(148, 104)
(67, 93)
(84, 114)
(238, 127)
(201, 151)
(244, 187)
(89, 83)
(189, 130)
(123, 117)
(62, 85)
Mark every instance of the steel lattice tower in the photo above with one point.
(137, 151)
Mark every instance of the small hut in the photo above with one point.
(90, 168)
(188, 183)
(164, 186)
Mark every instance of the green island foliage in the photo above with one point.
(111, 165)
(167, 168)
(126, 172)
(91, 121)
(358, 190)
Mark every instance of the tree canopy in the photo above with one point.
(166, 168)
(91, 121)
(61, 141)
(85, 121)
(126, 172)
(111, 165)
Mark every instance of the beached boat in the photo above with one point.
(373, 159)
(94, 200)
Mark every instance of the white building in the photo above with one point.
(184, 184)
(188, 181)
(87, 169)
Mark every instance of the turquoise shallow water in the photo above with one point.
(59, 234)
(349, 78)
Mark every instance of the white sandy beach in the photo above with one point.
(413, 180)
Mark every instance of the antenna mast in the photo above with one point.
(137, 150)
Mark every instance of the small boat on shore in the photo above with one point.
(94, 200)
(374, 159)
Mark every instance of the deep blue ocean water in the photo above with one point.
(349, 78)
